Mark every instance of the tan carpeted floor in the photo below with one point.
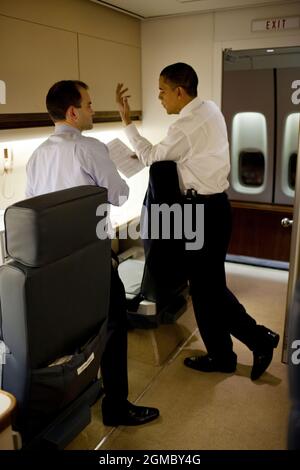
(200, 410)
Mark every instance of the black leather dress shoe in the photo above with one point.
(127, 415)
(263, 353)
(208, 364)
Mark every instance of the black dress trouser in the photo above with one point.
(218, 312)
(114, 359)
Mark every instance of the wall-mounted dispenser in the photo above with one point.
(7, 165)
(8, 160)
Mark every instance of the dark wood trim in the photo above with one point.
(21, 120)
(262, 206)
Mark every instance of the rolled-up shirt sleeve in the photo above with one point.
(96, 163)
(173, 147)
(28, 189)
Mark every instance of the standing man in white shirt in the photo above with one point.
(67, 159)
(198, 143)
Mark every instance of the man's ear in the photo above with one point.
(181, 93)
(72, 113)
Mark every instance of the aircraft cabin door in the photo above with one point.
(294, 271)
(248, 108)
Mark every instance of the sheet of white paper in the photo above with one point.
(122, 156)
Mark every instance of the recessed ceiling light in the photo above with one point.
(270, 50)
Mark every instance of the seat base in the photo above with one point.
(147, 315)
(58, 434)
(143, 313)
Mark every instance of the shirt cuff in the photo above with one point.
(131, 131)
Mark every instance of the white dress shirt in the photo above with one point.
(67, 159)
(198, 143)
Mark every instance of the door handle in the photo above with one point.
(286, 222)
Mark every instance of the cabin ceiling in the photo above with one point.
(145, 9)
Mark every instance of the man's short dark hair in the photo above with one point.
(62, 95)
(181, 74)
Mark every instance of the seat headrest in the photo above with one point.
(46, 228)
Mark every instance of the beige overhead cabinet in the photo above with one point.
(32, 58)
(84, 41)
(103, 64)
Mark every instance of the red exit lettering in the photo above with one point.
(275, 24)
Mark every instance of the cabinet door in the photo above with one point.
(103, 64)
(32, 58)
(258, 233)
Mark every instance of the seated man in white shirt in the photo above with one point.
(67, 159)
(198, 143)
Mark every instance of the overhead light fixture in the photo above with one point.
(119, 9)
(270, 50)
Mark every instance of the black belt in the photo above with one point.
(192, 195)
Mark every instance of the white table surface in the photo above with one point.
(5, 403)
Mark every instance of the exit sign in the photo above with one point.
(276, 24)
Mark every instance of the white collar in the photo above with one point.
(62, 128)
(195, 103)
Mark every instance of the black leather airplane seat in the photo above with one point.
(54, 296)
